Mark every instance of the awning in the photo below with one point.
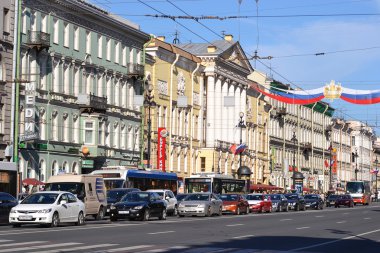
(152, 174)
(32, 181)
(264, 187)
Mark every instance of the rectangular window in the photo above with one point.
(6, 25)
(138, 56)
(117, 52)
(88, 42)
(108, 57)
(66, 35)
(203, 163)
(23, 17)
(100, 46)
(131, 56)
(89, 132)
(124, 60)
(43, 23)
(101, 133)
(353, 141)
(56, 31)
(76, 38)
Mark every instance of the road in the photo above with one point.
(329, 230)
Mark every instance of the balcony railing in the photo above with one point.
(135, 69)
(92, 103)
(38, 39)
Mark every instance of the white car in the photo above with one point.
(50, 208)
(171, 201)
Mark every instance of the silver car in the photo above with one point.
(200, 204)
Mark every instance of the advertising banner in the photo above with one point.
(161, 150)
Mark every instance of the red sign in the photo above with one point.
(161, 150)
(291, 168)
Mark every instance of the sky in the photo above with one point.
(290, 31)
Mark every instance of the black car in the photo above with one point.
(314, 201)
(296, 201)
(279, 202)
(7, 201)
(115, 195)
(139, 205)
(331, 199)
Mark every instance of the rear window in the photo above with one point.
(228, 197)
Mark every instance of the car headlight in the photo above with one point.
(314, 203)
(201, 205)
(181, 205)
(138, 207)
(112, 207)
(45, 210)
(13, 211)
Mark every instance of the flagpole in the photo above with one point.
(241, 125)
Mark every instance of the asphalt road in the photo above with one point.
(329, 230)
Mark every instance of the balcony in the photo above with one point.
(39, 40)
(135, 70)
(91, 103)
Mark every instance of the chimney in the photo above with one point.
(211, 49)
(228, 37)
(162, 38)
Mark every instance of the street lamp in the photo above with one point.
(330, 165)
(356, 165)
(376, 172)
(149, 103)
(241, 125)
(294, 140)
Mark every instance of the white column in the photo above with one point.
(210, 128)
(235, 120)
(231, 116)
(243, 100)
(224, 115)
(218, 108)
(201, 112)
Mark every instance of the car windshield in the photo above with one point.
(197, 197)
(40, 198)
(345, 197)
(293, 197)
(116, 194)
(311, 196)
(229, 197)
(136, 197)
(74, 188)
(180, 197)
(275, 197)
(254, 197)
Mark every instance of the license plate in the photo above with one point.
(25, 217)
(123, 212)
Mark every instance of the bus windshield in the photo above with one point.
(193, 187)
(355, 187)
(74, 188)
(113, 183)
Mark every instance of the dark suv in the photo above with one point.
(314, 201)
(296, 201)
(330, 201)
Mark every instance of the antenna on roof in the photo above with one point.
(176, 40)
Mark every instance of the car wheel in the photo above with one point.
(220, 211)
(208, 214)
(175, 211)
(163, 214)
(270, 210)
(100, 215)
(286, 208)
(55, 220)
(113, 218)
(260, 210)
(247, 210)
(297, 208)
(238, 211)
(16, 225)
(181, 216)
(80, 221)
(146, 215)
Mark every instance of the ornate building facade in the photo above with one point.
(177, 87)
(83, 73)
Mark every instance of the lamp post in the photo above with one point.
(149, 103)
(294, 140)
(356, 165)
(376, 172)
(330, 165)
(241, 125)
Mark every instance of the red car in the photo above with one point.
(344, 200)
(259, 202)
(234, 203)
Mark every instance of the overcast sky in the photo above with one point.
(322, 26)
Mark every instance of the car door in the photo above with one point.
(172, 200)
(63, 208)
(153, 203)
(3, 209)
(73, 207)
(214, 204)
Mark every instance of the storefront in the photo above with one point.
(8, 178)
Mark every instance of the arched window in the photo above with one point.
(65, 167)
(74, 168)
(54, 168)
(42, 169)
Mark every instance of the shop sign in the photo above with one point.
(161, 151)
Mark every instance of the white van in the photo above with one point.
(88, 188)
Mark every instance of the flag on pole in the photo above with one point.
(240, 148)
(233, 148)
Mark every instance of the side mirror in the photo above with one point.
(167, 197)
(63, 202)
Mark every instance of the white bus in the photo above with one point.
(215, 183)
(124, 177)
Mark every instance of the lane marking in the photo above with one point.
(331, 242)
(303, 228)
(345, 213)
(41, 247)
(78, 248)
(6, 240)
(234, 225)
(163, 232)
(340, 222)
(129, 248)
(242, 236)
(319, 216)
(367, 218)
(285, 219)
(180, 247)
(21, 243)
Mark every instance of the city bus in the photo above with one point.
(124, 177)
(360, 191)
(215, 183)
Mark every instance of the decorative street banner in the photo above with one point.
(30, 132)
(161, 150)
(330, 91)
